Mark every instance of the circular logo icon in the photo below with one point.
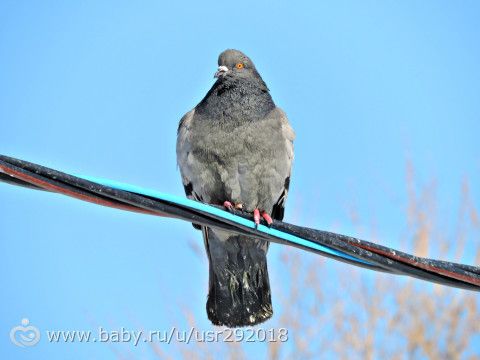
(25, 334)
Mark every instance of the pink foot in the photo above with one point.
(231, 207)
(257, 214)
(267, 218)
(256, 217)
(228, 205)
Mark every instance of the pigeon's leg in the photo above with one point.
(230, 207)
(256, 217)
(267, 218)
(257, 214)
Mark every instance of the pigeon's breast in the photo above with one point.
(236, 161)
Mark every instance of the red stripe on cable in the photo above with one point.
(58, 189)
(434, 269)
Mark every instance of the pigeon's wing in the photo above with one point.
(183, 150)
(288, 135)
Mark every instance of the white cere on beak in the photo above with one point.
(222, 70)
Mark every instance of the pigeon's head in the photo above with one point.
(235, 64)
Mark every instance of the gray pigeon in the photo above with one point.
(236, 148)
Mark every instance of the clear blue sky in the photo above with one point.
(98, 87)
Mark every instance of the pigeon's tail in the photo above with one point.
(239, 289)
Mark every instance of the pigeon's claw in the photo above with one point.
(256, 217)
(228, 205)
(232, 207)
(257, 214)
(267, 218)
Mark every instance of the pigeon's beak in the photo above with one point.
(222, 70)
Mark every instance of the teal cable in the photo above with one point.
(220, 213)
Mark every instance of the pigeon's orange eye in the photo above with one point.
(239, 66)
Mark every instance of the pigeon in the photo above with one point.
(235, 149)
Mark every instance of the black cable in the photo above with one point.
(379, 258)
